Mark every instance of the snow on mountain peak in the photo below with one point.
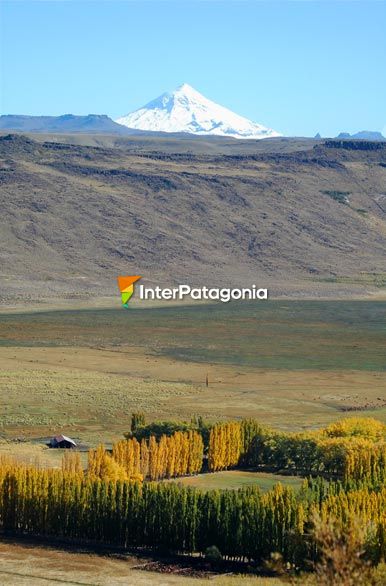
(186, 110)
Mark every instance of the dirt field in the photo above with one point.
(32, 565)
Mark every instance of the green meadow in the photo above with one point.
(293, 335)
(235, 479)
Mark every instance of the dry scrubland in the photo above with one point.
(290, 214)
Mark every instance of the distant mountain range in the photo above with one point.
(186, 110)
(67, 123)
(364, 135)
(183, 111)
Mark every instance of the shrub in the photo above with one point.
(213, 554)
(339, 196)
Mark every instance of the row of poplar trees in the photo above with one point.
(244, 524)
(179, 454)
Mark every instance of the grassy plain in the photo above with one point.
(293, 364)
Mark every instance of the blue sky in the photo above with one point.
(298, 67)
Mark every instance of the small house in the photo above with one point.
(62, 441)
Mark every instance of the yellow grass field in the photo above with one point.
(91, 392)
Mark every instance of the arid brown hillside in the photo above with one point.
(296, 216)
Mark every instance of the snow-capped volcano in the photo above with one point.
(186, 110)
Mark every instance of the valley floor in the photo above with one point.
(91, 392)
(293, 365)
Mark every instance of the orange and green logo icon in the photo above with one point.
(126, 287)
